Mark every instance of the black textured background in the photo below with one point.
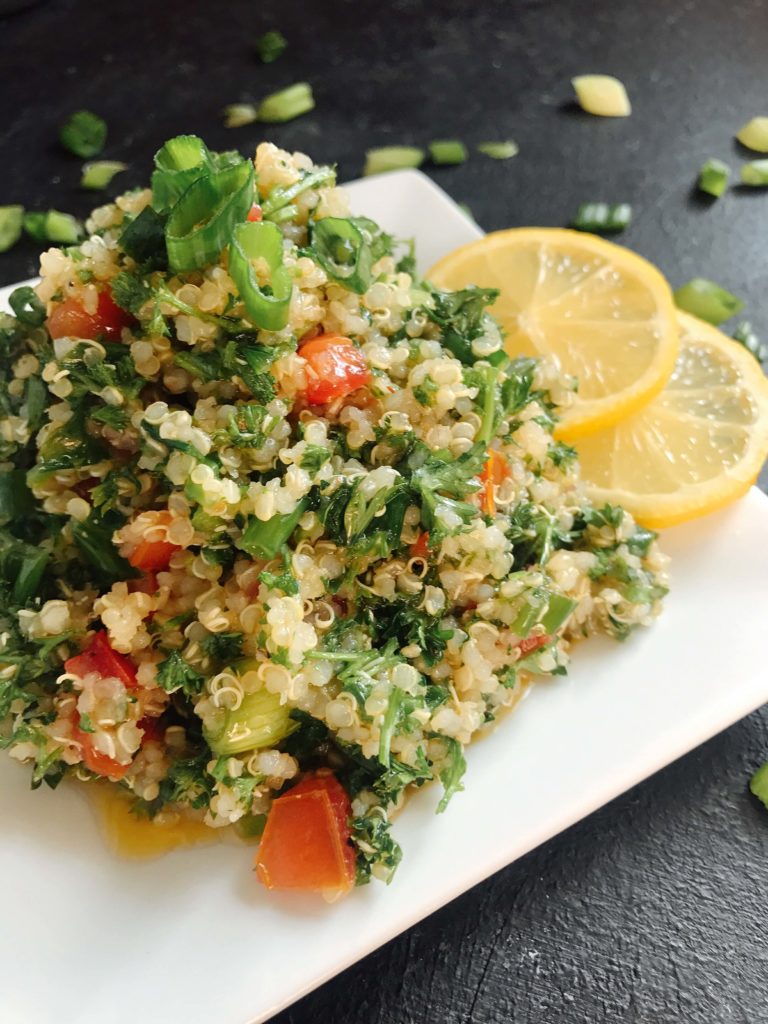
(654, 909)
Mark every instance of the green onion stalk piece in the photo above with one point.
(270, 46)
(261, 240)
(499, 150)
(286, 104)
(707, 300)
(84, 134)
(11, 222)
(392, 158)
(447, 152)
(262, 539)
(200, 225)
(260, 721)
(281, 197)
(181, 161)
(713, 177)
(602, 217)
(53, 226)
(236, 115)
(343, 253)
(97, 175)
(755, 173)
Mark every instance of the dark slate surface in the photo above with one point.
(654, 909)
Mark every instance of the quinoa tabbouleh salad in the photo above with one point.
(283, 527)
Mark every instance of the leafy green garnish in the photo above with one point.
(460, 315)
(174, 673)
(452, 772)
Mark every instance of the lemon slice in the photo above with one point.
(605, 313)
(699, 445)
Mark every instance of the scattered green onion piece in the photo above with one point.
(758, 784)
(499, 150)
(342, 252)
(287, 104)
(755, 173)
(754, 134)
(707, 300)
(84, 134)
(260, 720)
(26, 306)
(53, 226)
(392, 158)
(713, 177)
(238, 114)
(181, 161)
(200, 225)
(11, 222)
(270, 46)
(280, 197)
(747, 337)
(449, 151)
(284, 213)
(604, 217)
(261, 240)
(97, 175)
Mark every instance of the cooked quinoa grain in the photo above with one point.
(272, 505)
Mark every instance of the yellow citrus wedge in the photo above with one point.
(604, 312)
(698, 445)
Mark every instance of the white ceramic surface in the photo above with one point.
(86, 938)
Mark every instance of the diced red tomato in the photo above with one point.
(306, 839)
(254, 214)
(533, 643)
(152, 555)
(495, 471)
(420, 547)
(93, 759)
(336, 368)
(99, 657)
(70, 319)
(151, 727)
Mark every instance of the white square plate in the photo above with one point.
(87, 938)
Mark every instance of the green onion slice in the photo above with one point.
(342, 251)
(713, 177)
(53, 226)
(603, 217)
(270, 46)
(84, 134)
(200, 224)
(11, 222)
(449, 151)
(755, 173)
(238, 114)
(707, 300)
(288, 103)
(499, 150)
(97, 175)
(181, 161)
(26, 306)
(392, 158)
(280, 197)
(261, 240)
